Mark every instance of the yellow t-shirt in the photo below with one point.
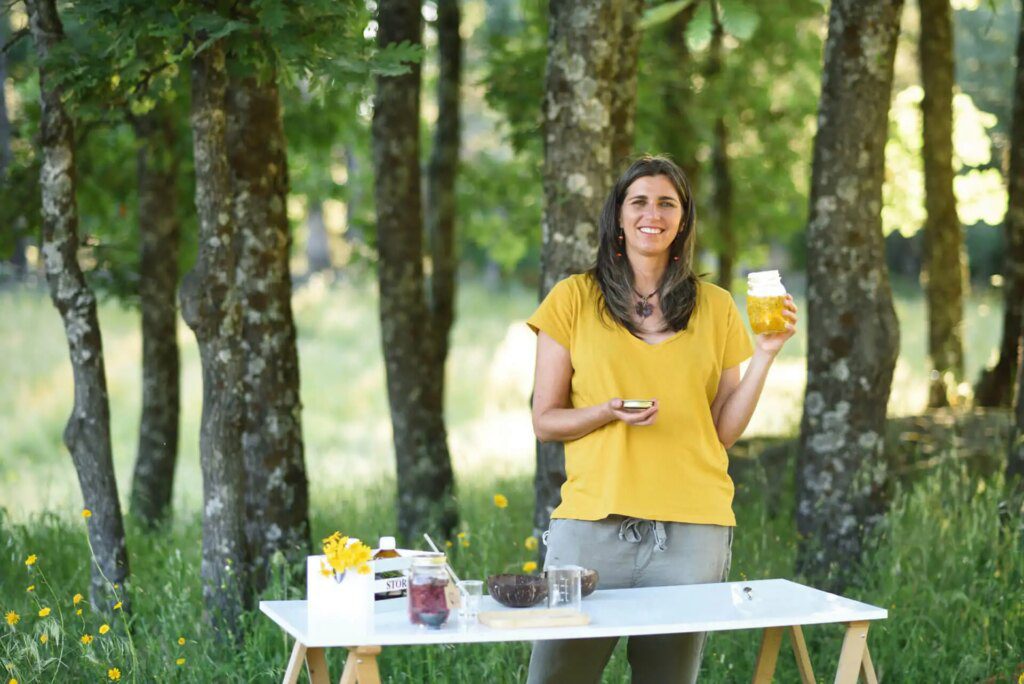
(675, 470)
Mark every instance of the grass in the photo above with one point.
(952, 579)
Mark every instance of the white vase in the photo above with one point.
(347, 603)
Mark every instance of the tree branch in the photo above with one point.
(18, 35)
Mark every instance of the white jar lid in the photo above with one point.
(386, 544)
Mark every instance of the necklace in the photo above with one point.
(643, 308)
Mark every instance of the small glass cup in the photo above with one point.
(470, 592)
(565, 587)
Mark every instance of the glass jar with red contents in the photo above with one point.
(428, 605)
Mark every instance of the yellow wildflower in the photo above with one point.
(114, 674)
(343, 554)
(31, 560)
(530, 543)
(31, 588)
(12, 681)
(12, 618)
(104, 628)
(76, 599)
(461, 535)
(43, 638)
(117, 606)
(500, 501)
(529, 566)
(43, 612)
(78, 612)
(86, 513)
(179, 662)
(86, 639)
(465, 543)
(181, 641)
(448, 543)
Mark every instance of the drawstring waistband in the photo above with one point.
(630, 531)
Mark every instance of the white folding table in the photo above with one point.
(775, 606)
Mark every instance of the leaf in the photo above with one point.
(738, 19)
(698, 31)
(662, 13)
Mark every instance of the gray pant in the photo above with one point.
(628, 552)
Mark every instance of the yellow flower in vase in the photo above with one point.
(342, 554)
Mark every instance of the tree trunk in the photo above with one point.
(628, 34)
(577, 172)
(1014, 270)
(211, 305)
(159, 235)
(722, 201)
(87, 434)
(425, 481)
(721, 198)
(679, 135)
(276, 488)
(318, 250)
(943, 271)
(441, 174)
(853, 336)
(995, 388)
(17, 256)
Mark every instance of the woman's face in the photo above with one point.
(651, 215)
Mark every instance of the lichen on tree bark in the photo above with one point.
(424, 473)
(87, 434)
(852, 329)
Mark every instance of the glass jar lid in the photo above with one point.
(429, 560)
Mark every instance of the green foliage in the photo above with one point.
(500, 205)
(951, 577)
(979, 188)
(766, 93)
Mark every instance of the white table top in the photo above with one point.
(613, 612)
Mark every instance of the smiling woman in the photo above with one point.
(648, 498)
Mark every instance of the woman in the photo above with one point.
(648, 499)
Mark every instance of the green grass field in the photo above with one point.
(952, 579)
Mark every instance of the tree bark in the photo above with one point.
(679, 135)
(853, 336)
(211, 305)
(943, 272)
(424, 472)
(159, 236)
(17, 242)
(87, 434)
(623, 114)
(995, 388)
(577, 172)
(1014, 270)
(721, 197)
(276, 488)
(441, 204)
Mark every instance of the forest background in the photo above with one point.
(380, 185)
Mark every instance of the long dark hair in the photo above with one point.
(677, 291)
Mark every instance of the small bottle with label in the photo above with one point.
(395, 579)
(766, 300)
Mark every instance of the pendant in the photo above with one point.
(643, 309)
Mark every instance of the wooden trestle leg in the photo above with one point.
(361, 666)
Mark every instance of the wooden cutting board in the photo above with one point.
(536, 617)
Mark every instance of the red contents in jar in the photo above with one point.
(427, 603)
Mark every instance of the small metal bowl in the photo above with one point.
(517, 591)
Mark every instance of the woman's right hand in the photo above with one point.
(645, 417)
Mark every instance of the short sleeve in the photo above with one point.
(737, 342)
(556, 315)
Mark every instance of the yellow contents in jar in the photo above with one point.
(765, 314)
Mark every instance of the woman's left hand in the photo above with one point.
(772, 342)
